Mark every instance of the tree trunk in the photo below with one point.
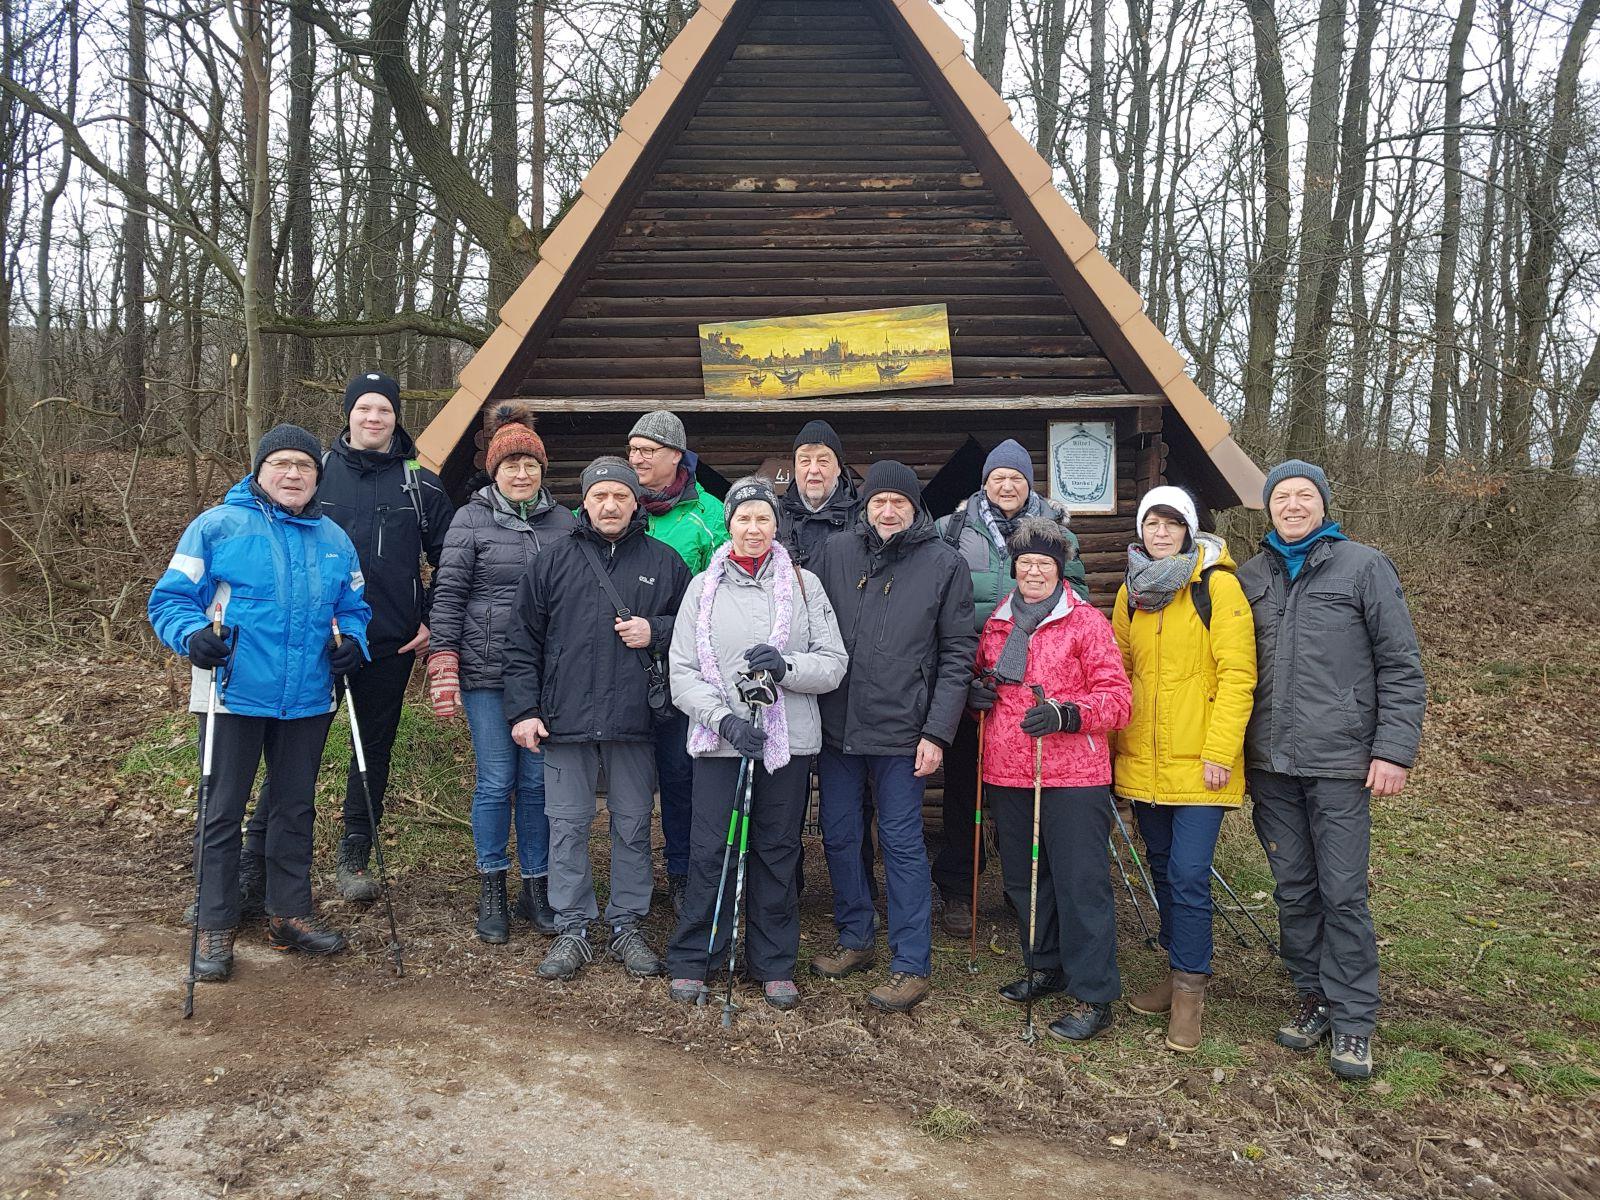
(1053, 46)
(1094, 126)
(301, 303)
(502, 132)
(992, 21)
(135, 227)
(538, 56)
(1444, 284)
(1271, 267)
(250, 26)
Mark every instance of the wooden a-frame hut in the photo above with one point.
(795, 157)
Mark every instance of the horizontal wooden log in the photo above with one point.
(725, 308)
(773, 214)
(714, 256)
(811, 283)
(821, 127)
(687, 325)
(889, 138)
(782, 92)
(642, 268)
(832, 241)
(655, 346)
(800, 226)
(823, 110)
(737, 199)
(777, 53)
(596, 366)
(690, 386)
(817, 181)
(918, 405)
(766, 158)
(850, 74)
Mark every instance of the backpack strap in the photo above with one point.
(957, 526)
(413, 488)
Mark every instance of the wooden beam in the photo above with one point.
(871, 402)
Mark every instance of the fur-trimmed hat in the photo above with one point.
(1039, 535)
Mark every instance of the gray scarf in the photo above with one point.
(1013, 662)
(1153, 582)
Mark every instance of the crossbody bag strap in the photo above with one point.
(623, 611)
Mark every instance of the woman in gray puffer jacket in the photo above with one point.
(751, 610)
(491, 542)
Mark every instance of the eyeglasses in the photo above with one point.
(530, 469)
(290, 466)
(644, 451)
(1035, 566)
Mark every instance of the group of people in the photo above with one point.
(688, 646)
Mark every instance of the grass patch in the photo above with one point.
(946, 1123)
(1568, 1080)
(1411, 1074)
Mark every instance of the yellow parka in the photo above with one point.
(1192, 689)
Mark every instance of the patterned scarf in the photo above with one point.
(658, 503)
(1012, 664)
(1001, 528)
(1153, 582)
(702, 738)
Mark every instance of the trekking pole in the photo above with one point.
(977, 840)
(1144, 875)
(727, 855)
(1150, 940)
(202, 796)
(372, 820)
(1249, 916)
(756, 710)
(1028, 1034)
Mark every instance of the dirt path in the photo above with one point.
(414, 1089)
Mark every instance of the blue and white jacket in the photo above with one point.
(281, 579)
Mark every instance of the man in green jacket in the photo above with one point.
(686, 517)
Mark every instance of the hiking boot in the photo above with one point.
(842, 960)
(1188, 1004)
(1043, 983)
(1157, 1000)
(213, 961)
(354, 882)
(687, 991)
(781, 994)
(306, 934)
(1308, 1026)
(628, 947)
(677, 888)
(1351, 1057)
(1082, 1021)
(494, 921)
(956, 920)
(533, 904)
(901, 992)
(252, 887)
(569, 955)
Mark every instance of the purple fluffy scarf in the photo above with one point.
(703, 739)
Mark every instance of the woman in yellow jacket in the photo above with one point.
(1188, 644)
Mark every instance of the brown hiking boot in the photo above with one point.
(1156, 1000)
(1188, 1003)
(956, 920)
(842, 961)
(900, 992)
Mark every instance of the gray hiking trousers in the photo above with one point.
(571, 774)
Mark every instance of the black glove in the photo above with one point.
(762, 657)
(981, 694)
(1051, 716)
(209, 651)
(345, 657)
(742, 736)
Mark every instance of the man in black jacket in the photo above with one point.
(904, 602)
(577, 677)
(396, 512)
(822, 499)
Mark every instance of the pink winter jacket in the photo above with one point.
(1072, 656)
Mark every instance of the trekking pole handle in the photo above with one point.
(216, 618)
(337, 638)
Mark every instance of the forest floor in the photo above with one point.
(469, 1077)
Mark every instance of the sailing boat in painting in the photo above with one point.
(789, 378)
(889, 368)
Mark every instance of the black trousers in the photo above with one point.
(770, 914)
(952, 866)
(293, 752)
(380, 691)
(1077, 910)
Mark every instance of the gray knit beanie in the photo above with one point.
(1297, 468)
(608, 468)
(663, 427)
(751, 487)
(1009, 453)
(287, 437)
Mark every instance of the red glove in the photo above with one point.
(444, 683)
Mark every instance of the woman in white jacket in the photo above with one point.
(751, 610)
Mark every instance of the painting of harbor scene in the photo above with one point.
(830, 354)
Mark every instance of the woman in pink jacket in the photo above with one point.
(1049, 671)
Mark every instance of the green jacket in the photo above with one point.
(990, 567)
(694, 527)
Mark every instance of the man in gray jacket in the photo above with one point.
(1337, 720)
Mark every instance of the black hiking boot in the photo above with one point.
(570, 954)
(305, 934)
(677, 887)
(354, 882)
(214, 959)
(1043, 983)
(628, 947)
(252, 887)
(494, 920)
(1082, 1021)
(1308, 1026)
(533, 904)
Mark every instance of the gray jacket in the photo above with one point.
(486, 553)
(742, 616)
(1338, 670)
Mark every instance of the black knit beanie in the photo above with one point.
(371, 381)
(287, 437)
(1039, 535)
(820, 433)
(886, 475)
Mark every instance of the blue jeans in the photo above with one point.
(898, 794)
(675, 781)
(1180, 840)
(505, 768)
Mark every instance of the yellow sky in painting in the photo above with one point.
(923, 326)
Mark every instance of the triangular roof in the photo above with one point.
(1110, 309)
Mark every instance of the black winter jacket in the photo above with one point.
(905, 610)
(364, 492)
(486, 554)
(564, 662)
(804, 531)
(1338, 670)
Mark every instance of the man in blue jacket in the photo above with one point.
(396, 513)
(281, 573)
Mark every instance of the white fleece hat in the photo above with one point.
(1171, 497)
